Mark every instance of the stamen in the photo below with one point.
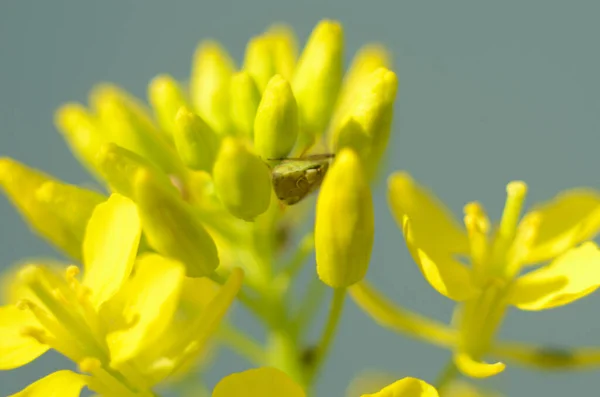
(54, 335)
(36, 333)
(525, 237)
(515, 197)
(478, 226)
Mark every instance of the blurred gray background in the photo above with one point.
(489, 92)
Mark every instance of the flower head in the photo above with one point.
(480, 267)
(109, 320)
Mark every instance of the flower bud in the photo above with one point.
(166, 97)
(80, 130)
(318, 78)
(209, 85)
(196, 142)
(276, 122)
(367, 60)
(259, 61)
(57, 211)
(242, 180)
(119, 166)
(344, 227)
(172, 228)
(367, 125)
(244, 102)
(126, 123)
(285, 50)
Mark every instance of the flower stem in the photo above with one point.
(309, 305)
(241, 344)
(296, 262)
(335, 313)
(447, 376)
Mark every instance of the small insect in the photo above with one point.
(295, 178)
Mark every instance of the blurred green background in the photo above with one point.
(490, 91)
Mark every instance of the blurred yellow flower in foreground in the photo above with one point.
(270, 382)
(110, 321)
(549, 235)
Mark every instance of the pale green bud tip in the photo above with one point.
(276, 122)
(196, 142)
(172, 228)
(242, 180)
(345, 226)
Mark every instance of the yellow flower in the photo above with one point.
(110, 321)
(270, 382)
(197, 165)
(42, 201)
(549, 236)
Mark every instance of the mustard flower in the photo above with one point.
(270, 382)
(552, 235)
(220, 171)
(109, 320)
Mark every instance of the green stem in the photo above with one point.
(283, 354)
(335, 313)
(253, 304)
(305, 248)
(241, 344)
(447, 376)
(311, 302)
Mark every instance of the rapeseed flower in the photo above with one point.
(201, 165)
(482, 268)
(109, 320)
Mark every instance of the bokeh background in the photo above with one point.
(490, 92)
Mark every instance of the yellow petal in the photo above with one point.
(572, 217)
(476, 369)
(407, 197)
(448, 276)
(149, 301)
(82, 133)
(259, 382)
(192, 342)
(63, 383)
(569, 277)
(42, 200)
(392, 316)
(407, 387)
(109, 247)
(16, 348)
(199, 291)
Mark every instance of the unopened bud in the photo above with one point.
(344, 228)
